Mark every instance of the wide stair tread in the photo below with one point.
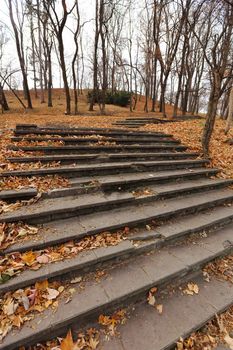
(166, 233)
(147, 329)
(136, 277)
(99, 201)
(88, 224)
(120, 179)
(69, 158)
(116, 167)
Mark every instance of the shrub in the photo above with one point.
(119, 98)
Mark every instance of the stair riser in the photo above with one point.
(98, 149)
(99, 160)
(70, 173)
(120, 133)
(138, 295)
(132, 184)
(74, 141)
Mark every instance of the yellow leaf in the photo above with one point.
(67, 343)
(43, 285)
(28, 258)
(93, 343)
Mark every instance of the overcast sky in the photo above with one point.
(87, 12)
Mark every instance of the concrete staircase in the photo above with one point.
(164, 194)
(135, 123)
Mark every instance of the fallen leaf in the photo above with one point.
(76, 280)
(159, 307)
(43, 285)
(93, 343)
(67, 343)
(52, 293)
(42, 259)
(229, 341)
(151, 299)
(10, 307)
(29, 258)
(191, 289)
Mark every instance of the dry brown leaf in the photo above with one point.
(159, 308)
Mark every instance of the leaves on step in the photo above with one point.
(22, 305)
(111, 322)
(43, 184)
(143, 192)
(221, 268)
(191, 289)
(14, 263)
(152, 300)
(217, 331)
(11, 233)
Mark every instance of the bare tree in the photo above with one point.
(217, 27)
(58, 26)
(18, 33)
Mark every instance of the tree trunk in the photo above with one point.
(211, 115)
(64, 76)
(95, 64)
(20, 56)
(230, 112)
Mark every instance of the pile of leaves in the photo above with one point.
(14, 263)
(11, 233)
(221, 268)
(190, 133)
(217, 331)
(22, 305)
(103, 143)
(89, 339)
(27, 143)
(43, 184)
(30, 166)
(143, 192)
(111, 322)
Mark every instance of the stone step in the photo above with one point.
(109, 168)
(182, 315)
(125, 283)
(103, 158)
(122, 181)
(66, 128)
(53, 209)
(14, 195)
(82, 226)
(89, 186)
(156, 238)
(118, 140)
(144, 119)
(102, 132)
(97, 149)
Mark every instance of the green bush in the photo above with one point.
(118, 98)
